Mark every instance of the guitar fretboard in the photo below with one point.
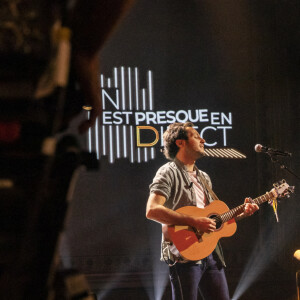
(239, 209)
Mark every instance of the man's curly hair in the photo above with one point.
(176, 131)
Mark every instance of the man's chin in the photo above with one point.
(201, 154)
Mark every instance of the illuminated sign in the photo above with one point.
(132, 129)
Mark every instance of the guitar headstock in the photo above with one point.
(283, 189)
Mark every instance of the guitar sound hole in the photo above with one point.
(218, 220)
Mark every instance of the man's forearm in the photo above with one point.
(92, 21)
(167, 216)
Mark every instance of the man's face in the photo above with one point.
(194, 146)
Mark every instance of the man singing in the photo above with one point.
(180, 183)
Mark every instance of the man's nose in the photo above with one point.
(202, 140)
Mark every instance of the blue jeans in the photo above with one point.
(208, 278)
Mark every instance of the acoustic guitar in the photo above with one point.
(195, 245)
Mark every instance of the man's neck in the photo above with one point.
(189, 164)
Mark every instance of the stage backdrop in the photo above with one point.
(230, 67)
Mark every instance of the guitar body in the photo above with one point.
(193, 245)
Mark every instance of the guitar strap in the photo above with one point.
(208, 188)
(219, 250)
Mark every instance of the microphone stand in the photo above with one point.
(274, 159)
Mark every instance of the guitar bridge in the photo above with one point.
(198, 234)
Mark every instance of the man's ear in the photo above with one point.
(179, 143)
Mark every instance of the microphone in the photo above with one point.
(270, 151)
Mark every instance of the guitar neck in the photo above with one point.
(239, 209)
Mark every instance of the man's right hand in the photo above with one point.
(204, 224)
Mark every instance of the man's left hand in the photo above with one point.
(250, 207)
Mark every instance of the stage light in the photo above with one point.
(257, 263)
(297, 254)
(106, 290)
(264, 251)
(160, 278)
(159, 269)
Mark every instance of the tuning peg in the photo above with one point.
(292, 189)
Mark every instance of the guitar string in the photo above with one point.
(236, 211)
